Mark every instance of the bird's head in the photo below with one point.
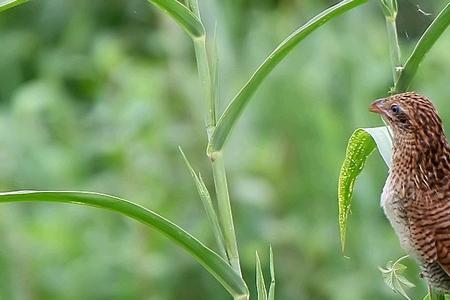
(409, 114)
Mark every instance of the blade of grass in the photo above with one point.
(360, 146)
(6, 4)
(207, 204)
(237, 105)
(212, 262)
(260, 285)
(433, 32)
(182, 15)
(272, 277)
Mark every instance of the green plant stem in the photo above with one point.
(224, 209)
(390, 10)
(204, 73)
(433, 32)
(217, 163)
(394, 47)
(218, 267)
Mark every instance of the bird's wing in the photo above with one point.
(421, 233)
(437, 221)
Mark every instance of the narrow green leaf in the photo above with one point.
(237, 105)
(207, 204)
(182, 15)
(260, 285)
(212, 262)
(433, 32)
(272, 277)
(6, 4)
(361, 144)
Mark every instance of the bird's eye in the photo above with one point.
(395, 109)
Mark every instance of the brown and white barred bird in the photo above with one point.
(416, 196)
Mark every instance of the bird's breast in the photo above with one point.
(394, 208)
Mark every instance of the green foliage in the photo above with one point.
(360, 145)
(260, 285)
(393, 276)
(97, 96)
(208, 205)
(262, 292)
(271, 294)
(209, 259)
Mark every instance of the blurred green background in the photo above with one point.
(97, 95)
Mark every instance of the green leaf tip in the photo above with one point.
(272, 277)
(360, 145)
(260, 285)
(207, 204)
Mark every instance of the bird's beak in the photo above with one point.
(377, 106)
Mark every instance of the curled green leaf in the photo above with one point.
(360, 146)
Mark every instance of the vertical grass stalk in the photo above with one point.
(224, 209)
(204, 72)
(217, 162)
(390, 10)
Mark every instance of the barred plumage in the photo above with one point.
(416, 196)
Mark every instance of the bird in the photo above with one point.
(416, 195)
